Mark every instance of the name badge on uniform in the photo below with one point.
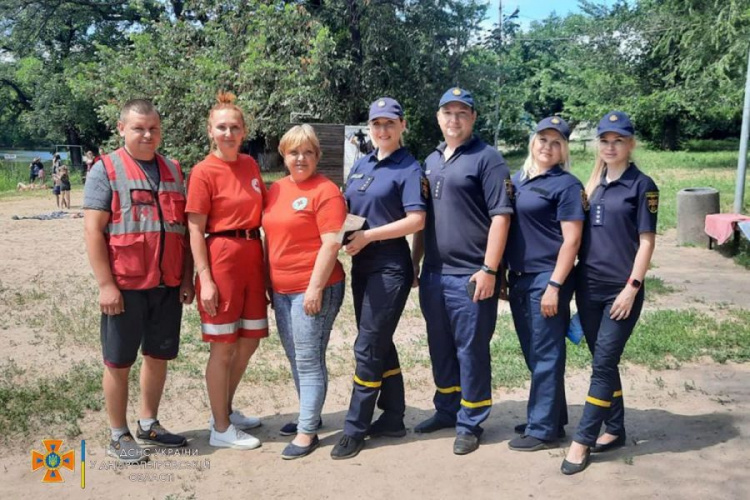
(357, 176)
(437, 191)
(597, 214)
(366, 184)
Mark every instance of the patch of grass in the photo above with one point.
(656, 286)
(661, 340)
(33, 404)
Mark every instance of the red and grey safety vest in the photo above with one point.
(146, 233)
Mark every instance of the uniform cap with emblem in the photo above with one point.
(385, 107)
(457, 94)
(555, 123)
(617, 122)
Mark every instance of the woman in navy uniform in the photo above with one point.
(618, 242)
(386, 187)
(543, 242)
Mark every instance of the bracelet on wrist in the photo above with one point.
(554, 284)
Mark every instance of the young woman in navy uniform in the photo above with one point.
(543, 242)
(618, 242)
(385, 187)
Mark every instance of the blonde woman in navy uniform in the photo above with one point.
(543, 242)
(385, 187)
(618, 242)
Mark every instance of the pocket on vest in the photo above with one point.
(127, 256)
(174, 208)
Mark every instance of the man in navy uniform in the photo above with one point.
(468, 217)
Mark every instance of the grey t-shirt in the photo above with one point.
(97, 193)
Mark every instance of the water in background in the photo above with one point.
(21, 155)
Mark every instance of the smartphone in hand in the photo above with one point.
(471, 288)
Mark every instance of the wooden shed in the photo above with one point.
(331, 137)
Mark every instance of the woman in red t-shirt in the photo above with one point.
(224, 207)
(304, 212)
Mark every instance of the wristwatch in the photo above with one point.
(487, 269)
(635, 283)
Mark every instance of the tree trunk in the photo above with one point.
(74, 139)
(671, 137)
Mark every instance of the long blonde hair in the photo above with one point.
(599, 166)
(529, 166)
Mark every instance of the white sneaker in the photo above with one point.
(239, 420)
(233, 438)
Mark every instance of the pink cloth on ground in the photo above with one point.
(721, 226)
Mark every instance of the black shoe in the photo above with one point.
(160, 436)
(521, 429)
(530, 443)
(617, 443)
(569, 468)
(293, 451)
(432, 424)
(380, 429)
(290, 428)
(347, 447)
(465, 444)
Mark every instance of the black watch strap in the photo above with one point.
(487, 269)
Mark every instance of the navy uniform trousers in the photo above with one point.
(382, 275)
(458, 334)
(543, 344)
(606, 339)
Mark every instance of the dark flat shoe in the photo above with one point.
(293, 451)
(347, 447)
(379, 428)
(569, 468)
(521, 429)
(432, 424)
(290, 428)
(465, 444)
(530, 443)
(617, 443)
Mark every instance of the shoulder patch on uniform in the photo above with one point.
(585, 201)
(425, 188)
(652, 200)
(509, 188)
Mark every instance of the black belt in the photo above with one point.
(245, 234)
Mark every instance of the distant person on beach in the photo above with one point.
(34, 167)
(56, 163)
(56, 187)
(64, 176)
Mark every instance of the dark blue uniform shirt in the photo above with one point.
(383, 191)
(540, 204)
(466, 192)
(620, 211)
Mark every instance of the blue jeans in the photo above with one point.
(305, 339)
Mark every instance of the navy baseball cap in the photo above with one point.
(457, 94)
(615, 121)
(554, 123)
(385, 107)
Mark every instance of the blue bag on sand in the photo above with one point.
(575, 330)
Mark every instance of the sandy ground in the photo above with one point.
(688, 429)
